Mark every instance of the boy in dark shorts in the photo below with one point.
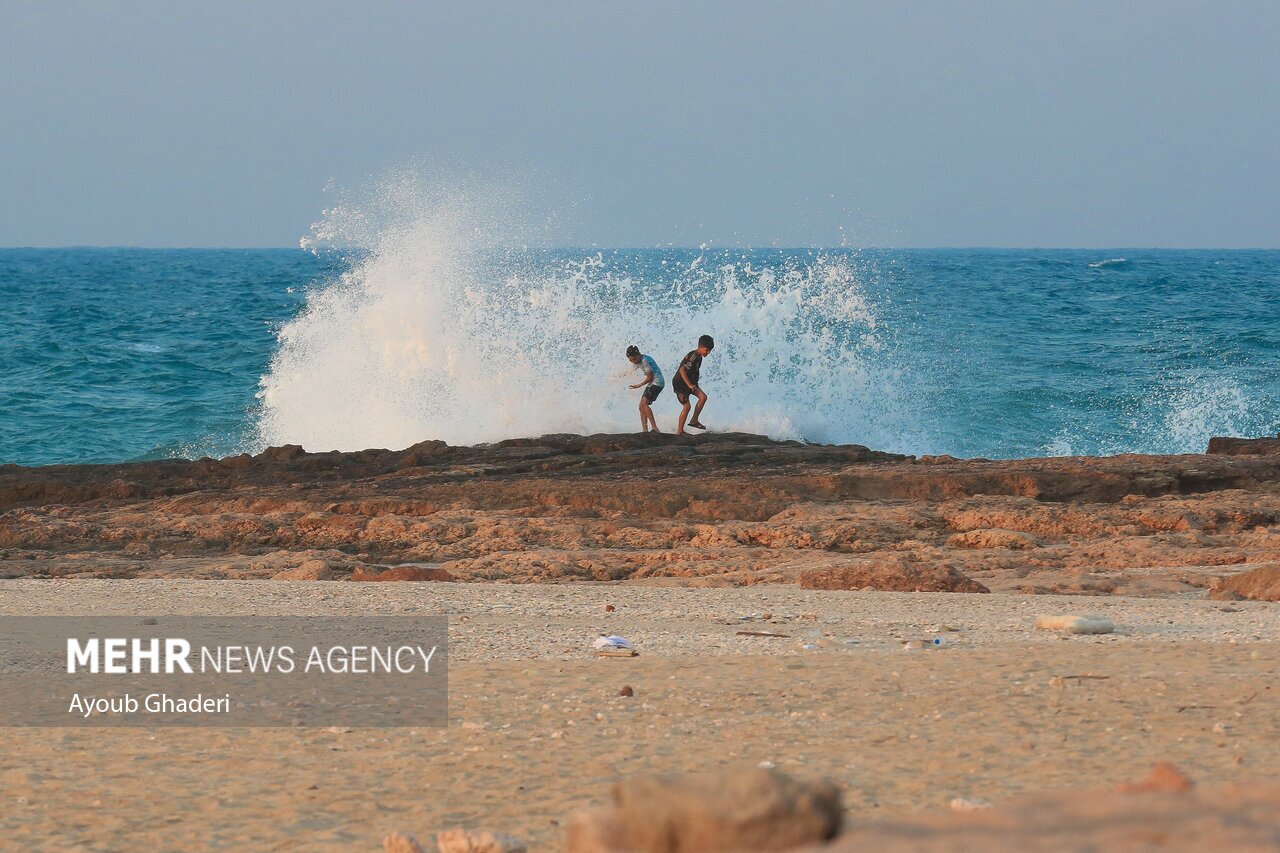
(685, 383)
(652, 378)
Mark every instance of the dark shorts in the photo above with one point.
(651, 393)
(682, 391)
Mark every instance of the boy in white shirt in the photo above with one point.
(653, 379)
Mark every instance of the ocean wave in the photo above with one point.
(437, 330)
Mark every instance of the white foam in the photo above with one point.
(437, 331)
(1208, 406)
(1178, 414)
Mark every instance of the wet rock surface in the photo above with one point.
(1244, 446)
(714, 509)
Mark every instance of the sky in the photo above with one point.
(1077, 124)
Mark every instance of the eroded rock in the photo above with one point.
(1243, 446)
(1260, 584)
(894, 576)
(401, 573)
(993, 537)
(311, 570)
(285, 453)
(707, 510)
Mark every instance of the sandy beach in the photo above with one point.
(538, 729)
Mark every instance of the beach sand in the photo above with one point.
(538, 729)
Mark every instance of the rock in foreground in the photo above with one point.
(756, 810)
(731, 809)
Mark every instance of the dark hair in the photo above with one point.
(706, 341)
(633, 350)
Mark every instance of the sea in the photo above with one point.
(116, 354)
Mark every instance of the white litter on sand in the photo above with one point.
(1073, 624)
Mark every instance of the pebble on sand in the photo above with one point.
(396, 842)
(1163, 778)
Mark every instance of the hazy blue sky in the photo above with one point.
(641, 123)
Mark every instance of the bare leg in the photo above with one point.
(646, 416)
(684, 413)
(697, 412)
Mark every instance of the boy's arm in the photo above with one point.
(684, 377)
(648, 380)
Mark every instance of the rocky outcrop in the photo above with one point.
(708, 510)
(1244, 446)
(311, 570)
(402, 573)
(844, 472)
(993, 538)
(1260, 584)
(896, 576)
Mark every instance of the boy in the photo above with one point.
(653, 378)
(686, 383)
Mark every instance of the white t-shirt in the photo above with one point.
(648, 365)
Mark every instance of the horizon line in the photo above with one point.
(703, 248)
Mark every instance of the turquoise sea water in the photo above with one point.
(118, 354)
